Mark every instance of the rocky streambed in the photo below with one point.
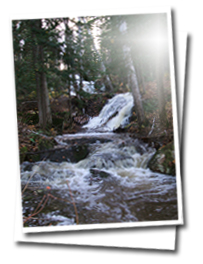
(105, 174)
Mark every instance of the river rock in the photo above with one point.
(72, 154)
(86, 140)
(99, 173)
(163, 161)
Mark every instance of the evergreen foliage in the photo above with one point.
(71, 55)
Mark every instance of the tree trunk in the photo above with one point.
(133, 79)
(69, 102)
(45, 117)
(161, 96)
(142, 81)
(160, 69)
(81, 68)
(136, 93)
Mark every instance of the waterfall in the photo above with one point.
(114, 114)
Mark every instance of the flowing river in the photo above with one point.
(110, 184)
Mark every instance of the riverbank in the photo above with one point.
(88, 106)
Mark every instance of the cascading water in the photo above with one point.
(111, 184)
(115, 113)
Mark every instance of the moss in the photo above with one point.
(23, 151)
(163, 161)
(45, 143)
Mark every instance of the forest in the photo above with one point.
(72, 73)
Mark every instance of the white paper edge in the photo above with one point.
(161, 238)
(175, 120)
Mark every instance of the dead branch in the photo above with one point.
(35, 213)
(31, 177)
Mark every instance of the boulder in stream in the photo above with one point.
(99, 173)
(71, 154)
(163, 161)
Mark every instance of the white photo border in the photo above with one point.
(126, 11)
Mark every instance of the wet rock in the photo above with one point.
(26, 166)
(81, 120)
(139, 146)
(99, 173)
(79, 152)
(72, 154)
(163, 161)
(119, 129)
(87, 140)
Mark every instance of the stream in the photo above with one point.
(111, 184)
